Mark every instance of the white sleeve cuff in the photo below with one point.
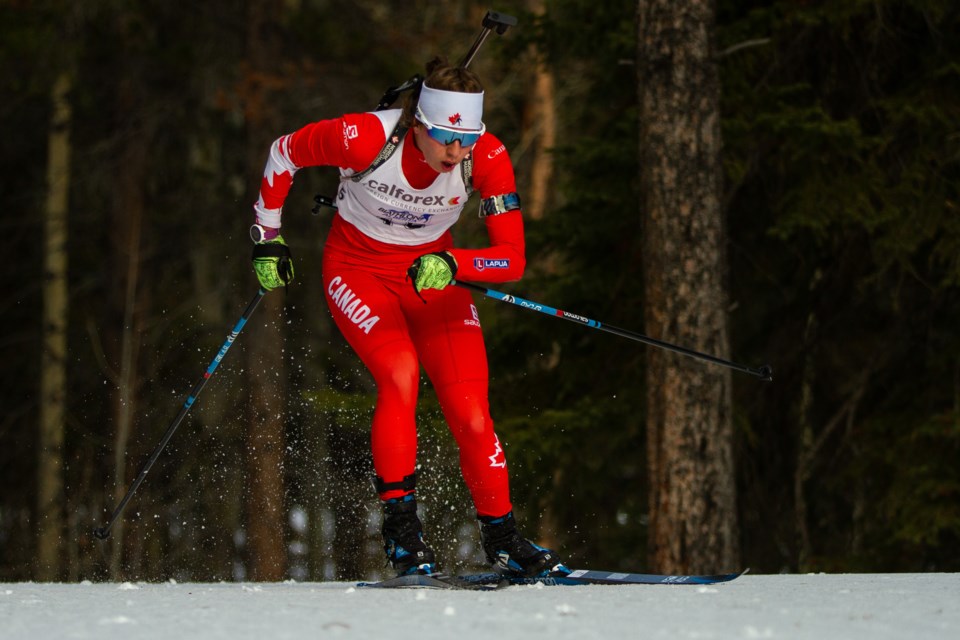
(267, 217)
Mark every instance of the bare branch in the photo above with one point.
(746, 44)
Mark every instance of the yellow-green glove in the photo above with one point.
(272, 263)
(432, 271)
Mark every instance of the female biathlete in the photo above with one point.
(406, 175)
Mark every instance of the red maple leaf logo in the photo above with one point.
(455, 119)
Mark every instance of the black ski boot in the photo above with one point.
(511, 554)
(403, 538)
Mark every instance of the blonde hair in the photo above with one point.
(441, 75)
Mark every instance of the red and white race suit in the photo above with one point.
(398, 212)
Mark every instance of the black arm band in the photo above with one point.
(499, 204)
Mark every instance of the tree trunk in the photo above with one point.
(805, 451)
(53, 369)
(266, 524)
(540, 123)
(541, 174)
(692, 499)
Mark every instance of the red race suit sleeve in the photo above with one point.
(505, 259)
(350, 142)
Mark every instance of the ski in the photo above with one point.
(431, 581)
(575, 578)
(582, 577)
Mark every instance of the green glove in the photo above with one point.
(432, 271)
(272, 263)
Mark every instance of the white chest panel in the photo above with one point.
(385, 207)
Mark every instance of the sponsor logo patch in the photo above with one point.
(475, 320)
(349, 133)
(493, 154)
(490, 263)
(407, 218)
(400, 193)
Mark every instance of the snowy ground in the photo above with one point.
(848, 607)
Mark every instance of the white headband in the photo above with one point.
(451, 109)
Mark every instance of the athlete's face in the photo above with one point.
(442, 158)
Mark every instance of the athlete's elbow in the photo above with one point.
(519, 266)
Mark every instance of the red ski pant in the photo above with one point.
(394, 332)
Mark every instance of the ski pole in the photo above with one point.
(764, 372)
(104, 532)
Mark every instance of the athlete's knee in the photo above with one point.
(474, 426)
(469, 417)
(397, 372)
(467, 411)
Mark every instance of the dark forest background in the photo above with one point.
(135, 134)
